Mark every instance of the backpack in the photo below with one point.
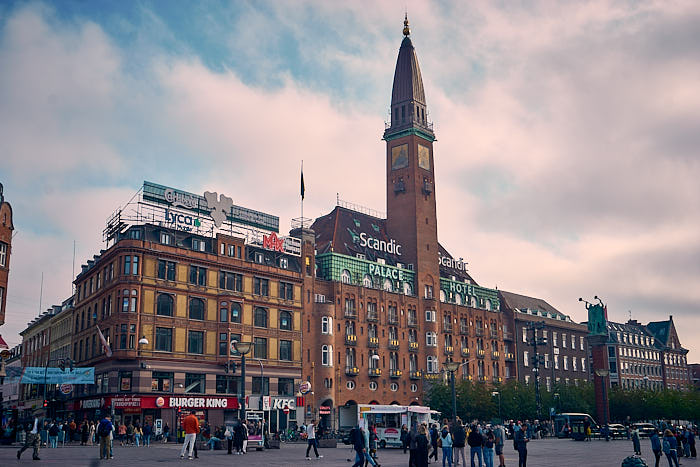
(103, 429)
(53, 431)
(666, 446)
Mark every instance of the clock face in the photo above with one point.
(423, 157)
(399, 157)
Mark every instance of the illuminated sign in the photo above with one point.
(288, 245)
(199, 402)
(380, 245)
(461, 288)
(273, 242)
(448, 262)
(181, 221)
(180, 198)
(384, 271)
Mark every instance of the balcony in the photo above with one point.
(352, 371)
(374, 372)
(393, 319)
(412, 323)
(395, 373)
(480, 353)
(464, 330)
(394, 344)
(466, 377)
(495, 354)
(350, 339)
(465, 352)
(372, 317)
(415, 374)
(373, 342)
(352, 314)
(431, 376)
(507, 336)
(497, 379)
(494, 334)
(479, 332)
(481, 378)
(449, 350)
(509, 356)
(447, 327)
(413, 346)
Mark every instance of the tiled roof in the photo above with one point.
(660, 330)
(531, 305)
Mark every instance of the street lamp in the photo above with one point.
(556, 396)
(646, 382)
(496, 393)
(603, 373)
(451, 367)
(242, 348)
(143, 341)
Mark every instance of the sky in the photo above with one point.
(567, 160)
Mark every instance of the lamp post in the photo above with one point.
(451, 367)
(497, 393)
(557, 397)
(603, 374)
(646, 382)
(242, 348)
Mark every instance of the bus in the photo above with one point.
(387, 419)
(576, 422)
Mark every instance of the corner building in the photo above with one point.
(390, 304)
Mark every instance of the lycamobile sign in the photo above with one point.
(390, 247)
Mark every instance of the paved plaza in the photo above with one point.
(542, 453)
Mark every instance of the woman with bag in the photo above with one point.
(445, 442)
(670, 447)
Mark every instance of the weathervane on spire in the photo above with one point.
(406, 30)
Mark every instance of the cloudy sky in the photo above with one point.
(567, 160)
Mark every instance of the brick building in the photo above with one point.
(390, 304)
(674, 363)
(565, 351)
(6, 229)
(180, 282)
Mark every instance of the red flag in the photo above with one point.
(105, 345)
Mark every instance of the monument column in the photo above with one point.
(597, 342)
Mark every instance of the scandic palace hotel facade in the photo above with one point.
(364, 308)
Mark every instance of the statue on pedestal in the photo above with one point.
(597, 318)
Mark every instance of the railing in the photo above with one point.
(413, 346)
(479, 332)
(497, 379)
(373, 342)
(465, 352)
(507, 336)
(509, 356)
(494, 334)
(447, 327)
(375, 372)
(352, 371)
(431, 376)
(351, 314)
(495, 354)
(464, 330)
(449, 350)
(351, 339)
(480, 353)
(393, 319)
(372, 317)
(395, 373)
(482, 378)
(412, 323)
(415, 374)
(394, 344)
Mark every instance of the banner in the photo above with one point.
(41, 375)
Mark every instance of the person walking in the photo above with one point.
(311, 438)
(32, 439)
(91, 433)
(670, 448)
(521, 441)
(53, 434)
(404, 438)
(459, 440)
(122, 433)
(422, 444)
(433, 442)
(130, 434)
(413, 445)
(191, 426)
(635, 442)
(499, 440)
(489, 439)
(104, 432)
(691, 441)
(358, 444)
(367, 436)
(446, 444)
(147, 433)
(166, 433)
(138, 434)
(476, 442)
(655, 446)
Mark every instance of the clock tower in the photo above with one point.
(410, 197)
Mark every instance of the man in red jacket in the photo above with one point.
(191, 426)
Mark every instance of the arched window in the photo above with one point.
(458, 299)
(443, 297)
(235, 312)
(260, 320)
(164, 305)
(285, 321)
(487, 305)
(350, 358)
(327, 355)
(432, 364)
(326, 325)
(345, 276)
(373, 361)
(407, 288)
(196, 308)
(223, 312)
(472, 302)
(388, 286)
(367, 281)
(349, 328)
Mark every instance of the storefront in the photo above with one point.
(280, 412)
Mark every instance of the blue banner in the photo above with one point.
(42, 375)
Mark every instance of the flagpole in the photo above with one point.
(302, 194)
